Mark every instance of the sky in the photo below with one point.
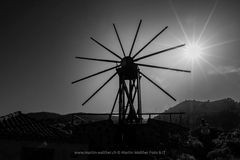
(39, 40)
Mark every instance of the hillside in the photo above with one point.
(67, 119)
(224, 114)
(43, 115)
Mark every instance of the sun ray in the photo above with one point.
(220, 73)
(200, 42)
(179, 21)
(208, 39)
(207, 21)
(194, 34)
(220, 43)
(201, 68)
(213, 67)
(214, 35)
(176, 38)
(192, 77)
(193, 51)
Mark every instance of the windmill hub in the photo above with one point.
(128, 70)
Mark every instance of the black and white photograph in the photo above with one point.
(120, 79)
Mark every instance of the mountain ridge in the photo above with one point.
(223, 113)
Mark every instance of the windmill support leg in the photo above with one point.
(132, 113)
(139, 111)
(123, 104)
(128, 112)
(120, 102)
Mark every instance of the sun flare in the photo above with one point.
(193, 51)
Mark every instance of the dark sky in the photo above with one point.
(39, 40)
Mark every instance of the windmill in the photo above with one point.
(128, 71)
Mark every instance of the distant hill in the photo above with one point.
(67, 119)
(224, 114)
(43, 115)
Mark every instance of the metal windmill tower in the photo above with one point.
(129, 73)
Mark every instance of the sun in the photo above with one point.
(193, 51)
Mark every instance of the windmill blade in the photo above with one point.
(158, 86)
(114, 104)
(167, 68)
(150, 41)
(94, 59)
(99, 89)
(135, 37)
(95, 74)
(165, 50)
(119, 39)
(105, 48)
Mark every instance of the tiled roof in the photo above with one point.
(19, 126)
